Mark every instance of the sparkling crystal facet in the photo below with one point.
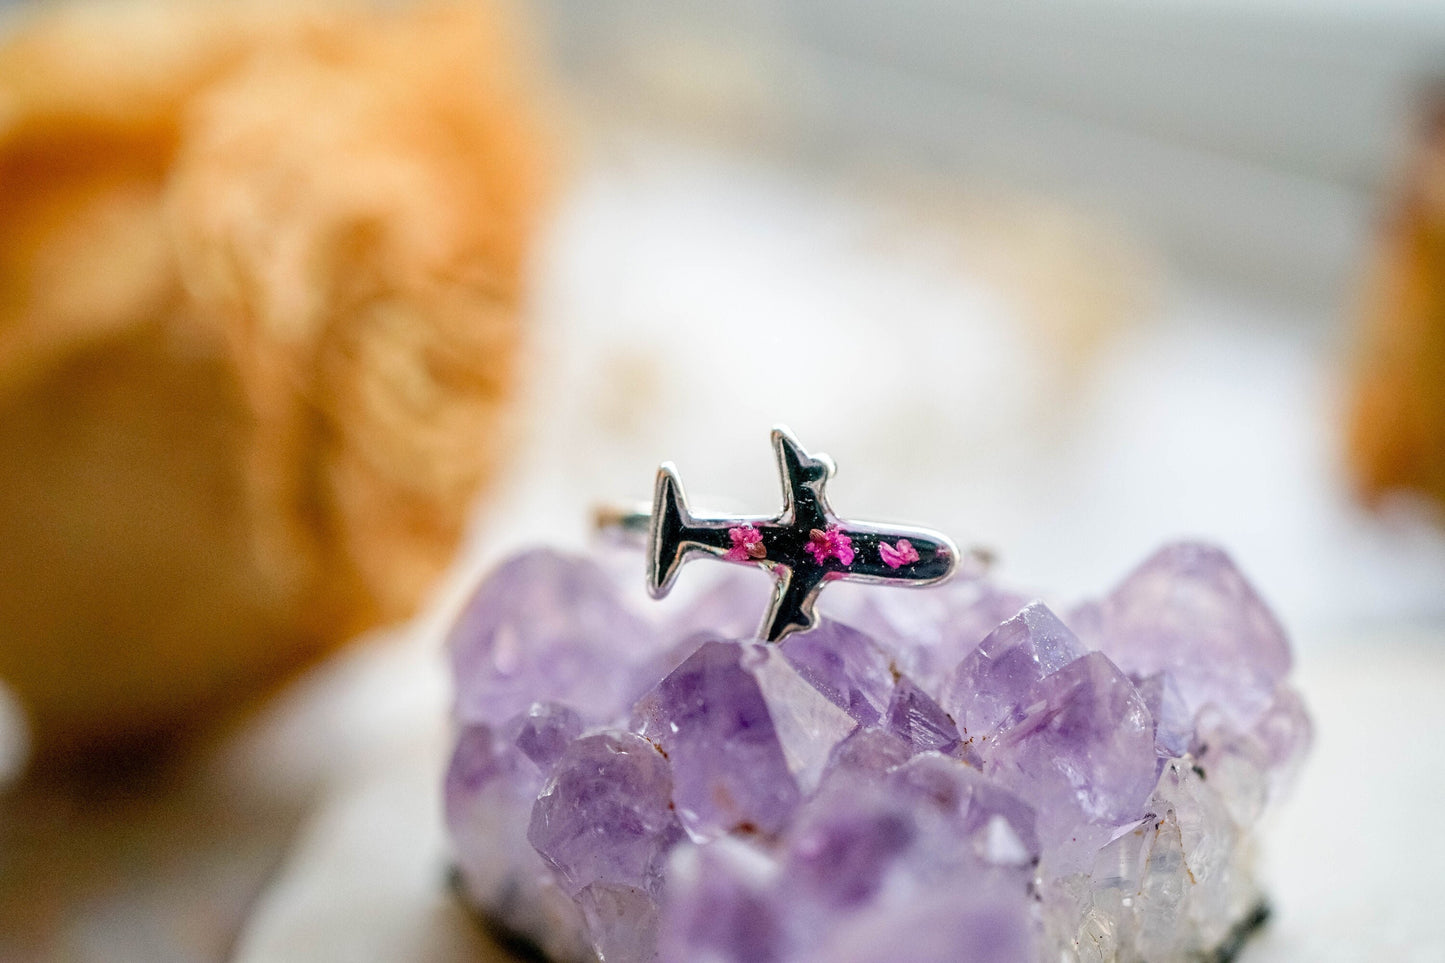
(605, 815)
(544, 731)
(991, 684)
(729, 768)
(868, 753)
(1083, 755)
(919, 721)
(846, 666)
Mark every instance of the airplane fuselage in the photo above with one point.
(805, 546)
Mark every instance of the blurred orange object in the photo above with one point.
(1397, 428)
(260, 270)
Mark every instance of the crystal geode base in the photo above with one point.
(952, 773)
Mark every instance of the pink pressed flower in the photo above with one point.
(833, 543)
(747, 544)
(897, 555)
(818, 546)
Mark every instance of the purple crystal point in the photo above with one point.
(605, 815)
(1188, 610)
(544, 731)
(722, 906)
(920, 721)
(1082, 756)
(998, 824)
(846, 666)
(991, 684)
(729, 768)
(545, 626)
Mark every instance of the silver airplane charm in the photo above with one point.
(805, 547)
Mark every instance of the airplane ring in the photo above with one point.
(805, 546)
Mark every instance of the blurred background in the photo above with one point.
(310, 312)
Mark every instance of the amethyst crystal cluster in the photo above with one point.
(954, 773)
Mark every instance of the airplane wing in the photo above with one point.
(792, 607)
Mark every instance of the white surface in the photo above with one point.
(1353, 857)
(673, 274)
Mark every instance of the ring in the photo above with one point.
(805, 546)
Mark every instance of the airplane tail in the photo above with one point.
(670, 522)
